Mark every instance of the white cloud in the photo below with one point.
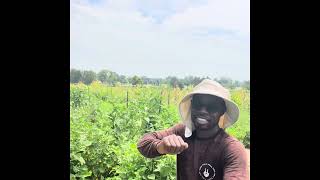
(115, 35)
(227, 14)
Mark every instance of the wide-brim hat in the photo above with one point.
(210, 87)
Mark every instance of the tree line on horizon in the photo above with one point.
(112, 78)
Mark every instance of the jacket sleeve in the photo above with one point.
(148, 143)
(235, 162)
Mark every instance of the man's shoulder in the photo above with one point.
(232, 142)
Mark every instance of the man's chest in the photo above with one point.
(202, 160)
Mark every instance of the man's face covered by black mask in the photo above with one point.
(206, 111)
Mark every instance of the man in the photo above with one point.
(204, 150)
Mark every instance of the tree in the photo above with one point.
(123, 79)
(172, 81)
(192, 80)
(196, 80)
(145, 80)
(136, 80)
(226, 82)
(75, 76)
(187, 80)
(106, 76)
(180, 85)
(112, 78)
(236, 83)
(103, 76)
(88, 77)
(246, 84)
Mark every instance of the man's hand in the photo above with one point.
(171, 144)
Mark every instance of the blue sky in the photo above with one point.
(160, 38)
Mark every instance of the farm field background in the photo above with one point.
(106, 123)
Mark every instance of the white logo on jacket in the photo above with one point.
(207, 172)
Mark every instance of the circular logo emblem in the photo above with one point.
(207, 172)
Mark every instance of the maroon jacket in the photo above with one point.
(217, 158)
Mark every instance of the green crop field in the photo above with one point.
(107, 122)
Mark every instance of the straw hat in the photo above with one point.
(212, 88)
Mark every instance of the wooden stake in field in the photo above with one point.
(127, 97)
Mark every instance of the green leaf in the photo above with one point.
(85, 173)
(81, 160)
(72, 177)
(102, 170)
(151, 176)
(87, 143)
